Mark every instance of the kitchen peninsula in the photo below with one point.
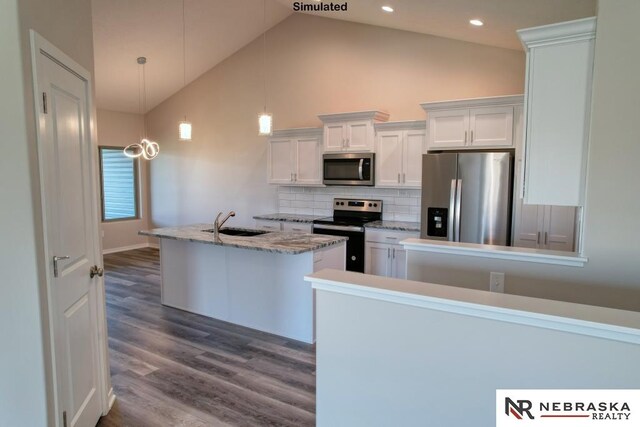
(255, 281)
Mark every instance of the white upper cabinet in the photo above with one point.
(467, 124)
(350, 131)
(558, 103)
(399, 147)
(295, 157)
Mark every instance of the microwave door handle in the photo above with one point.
(360, 170)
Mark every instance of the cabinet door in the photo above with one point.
(389, 159)
(359, 136)
(280, 161)
(334, 137)
(559, 226)
(266, 225)
(557, 124)
(412, 158)
(528, 226)
(308, 162)
(398, 262)
(378, 259)
(448, 129)
(297, 227)
(491, 127)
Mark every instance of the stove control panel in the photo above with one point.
(357, 205)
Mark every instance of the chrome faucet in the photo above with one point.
(217, 225)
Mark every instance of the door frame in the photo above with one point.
(106, 395)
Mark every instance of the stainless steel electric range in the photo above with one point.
(349, 218)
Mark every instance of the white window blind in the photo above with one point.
(119, 185)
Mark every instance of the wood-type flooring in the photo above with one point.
(174, 368)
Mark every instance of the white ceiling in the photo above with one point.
(215, 29)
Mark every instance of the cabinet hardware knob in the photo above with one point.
(465, 136)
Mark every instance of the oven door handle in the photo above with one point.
(360, 170)
(338, 227)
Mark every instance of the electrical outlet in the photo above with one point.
(496, 282)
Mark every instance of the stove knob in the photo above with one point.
(342, 203)
(375, 205)
(370, 205)
(337, 203)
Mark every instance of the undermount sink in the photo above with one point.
(237, 232)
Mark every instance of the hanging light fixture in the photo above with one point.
(146, 148)
(265, 120)
(184, 128)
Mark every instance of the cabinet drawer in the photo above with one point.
(268, 225)
(389, 236)
(297, 227)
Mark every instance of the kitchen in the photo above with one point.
(222, 131)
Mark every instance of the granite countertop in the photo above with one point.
(277, 242)
(394, 225)
(288, 217)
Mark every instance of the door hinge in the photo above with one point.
(44, 102)
(64, 418)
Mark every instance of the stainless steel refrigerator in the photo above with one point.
(466, 197)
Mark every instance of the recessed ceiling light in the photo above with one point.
(476, 22)
(387, 8)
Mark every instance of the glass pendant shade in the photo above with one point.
(264, 122)
(184, 130)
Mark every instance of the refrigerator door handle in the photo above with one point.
(457, 213)
(452, 208)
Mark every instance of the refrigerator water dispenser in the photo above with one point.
(437, 222)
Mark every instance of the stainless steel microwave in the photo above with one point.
(348, 169)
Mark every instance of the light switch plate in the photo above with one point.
(496, 282)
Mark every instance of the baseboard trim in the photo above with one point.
(112, 399)
(128, 248)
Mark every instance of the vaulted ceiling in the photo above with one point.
(215, 29)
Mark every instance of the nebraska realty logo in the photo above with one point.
(567, 408)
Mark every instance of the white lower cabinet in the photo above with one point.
(268, 225)
(384, 256)
(297, 227)
(545, 227)
(286, 226)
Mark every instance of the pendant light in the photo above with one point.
(146, 148)
(265, 120)
(184, 128)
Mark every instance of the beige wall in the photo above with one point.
(117, 129)
(612, 226)
(315, 65)
(25, 397)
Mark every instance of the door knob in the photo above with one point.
(96, 271)
(55, 263)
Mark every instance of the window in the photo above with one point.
(119, 179)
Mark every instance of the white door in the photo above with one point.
(334, 137)
(448, 129)
(413, 149)
(399, 263)
(360, 136)
(308, 161)
(528, 227)
(280, 162)
(69, 201)
(377, 259)
(389, 159)
(559, 226)
(491, 127)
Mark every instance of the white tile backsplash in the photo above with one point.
(397, 205)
